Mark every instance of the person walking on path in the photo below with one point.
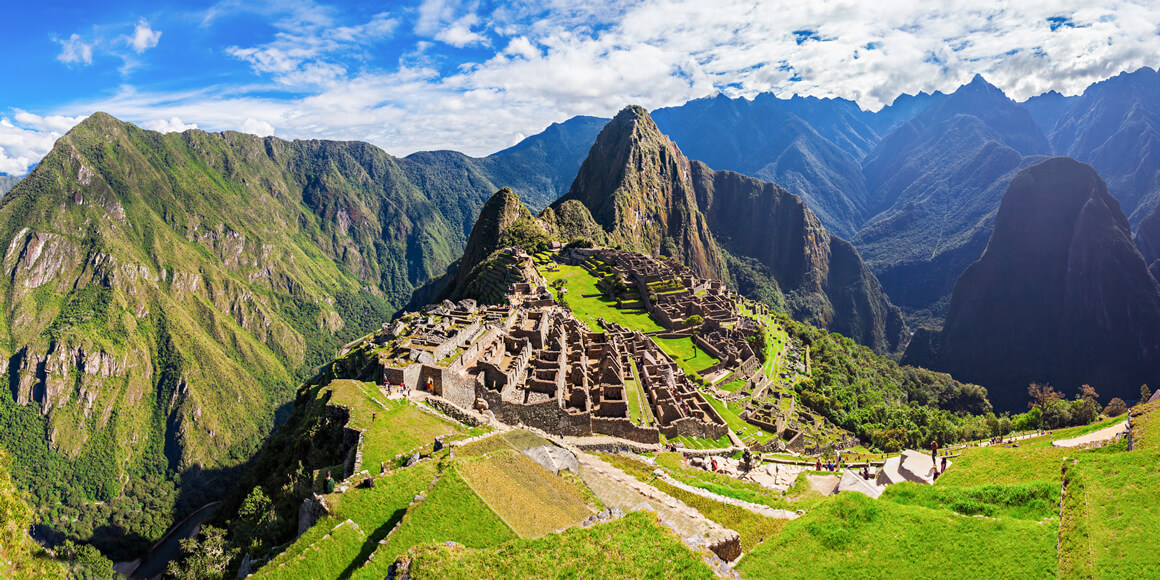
(934, 452)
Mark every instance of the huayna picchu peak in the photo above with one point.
(430, 289)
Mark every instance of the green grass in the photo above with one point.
(639, 411)
(516, 439)
(753, 528)
(328, 558)
(707, 480)
(450, 512)
(579, 284)
(375, 510)
(1028, 501)
(531, 499)
(691, 358)
(1005, 466)
(390, 427)
(737, 424)
(635, 546)
(700, 443)
(853, 536)
(1111, 514)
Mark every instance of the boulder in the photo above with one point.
(853, 482)
(552, 458)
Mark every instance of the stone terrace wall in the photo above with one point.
(625, 429)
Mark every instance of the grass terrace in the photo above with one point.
(691, 358)
(853, 536)
(530, 499)
(588, 302)
(635, 546)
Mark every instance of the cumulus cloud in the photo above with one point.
(26, 138)
(74, 50)
(554, 59)
(144, 37)
(173, 125)
(256, 127)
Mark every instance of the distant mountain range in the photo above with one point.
(7, 182)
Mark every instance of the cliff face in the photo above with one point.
(1061, 295)
(647, 196)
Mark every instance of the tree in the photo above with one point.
(694, 320)
(1116, 407)
(1088, 393)
(205, 559)
(1043, 397)
(1145, 393)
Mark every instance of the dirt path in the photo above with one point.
(1093, 437)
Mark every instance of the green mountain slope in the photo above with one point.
(164, 293)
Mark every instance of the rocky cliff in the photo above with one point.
(1061, 295)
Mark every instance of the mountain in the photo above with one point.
(645, 195)
(1148, 241)
(1047, 108)
(810, 146)
(935, 183)
(636, 184)
(7, 182)
(542, 167)
(163, 294)
(904, 108)
(1115, 127)
(1061, 295)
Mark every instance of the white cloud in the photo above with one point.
(256, 127)
(173, 125)
(558, 58)
(74, 50)
(29, 139)
(143, 37)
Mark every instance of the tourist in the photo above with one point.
(934, 451)
(865, 473)
(944, 463)
(382, 467)
(328, 484)
(818, 465)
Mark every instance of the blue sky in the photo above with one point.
(477, 76)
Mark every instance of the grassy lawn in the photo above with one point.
(450, 512)
(699, 443)
(853, 536)
(1111, 515)
(1005, 466)
(579, 284)
(516, 439)
(390, 427)
(528, 497)
(635, 546)
(687, 355)
(1027, 501)
(707, 480)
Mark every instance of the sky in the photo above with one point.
(477, 76)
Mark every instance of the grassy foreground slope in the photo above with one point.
(635, 546)
(851, 535)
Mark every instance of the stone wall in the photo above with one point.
(455, 412)
(625, 429)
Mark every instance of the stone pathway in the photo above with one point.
(617, 489)
(1095, 437)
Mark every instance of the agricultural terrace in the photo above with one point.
(370, 410)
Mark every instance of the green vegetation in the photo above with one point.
(1029, 501)
(19, 555)
(691, 358)
(527, 497)
(891, 406)
(635, 546)
(588, 302)
(450, 511)
(389, 427)
(853, 535)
